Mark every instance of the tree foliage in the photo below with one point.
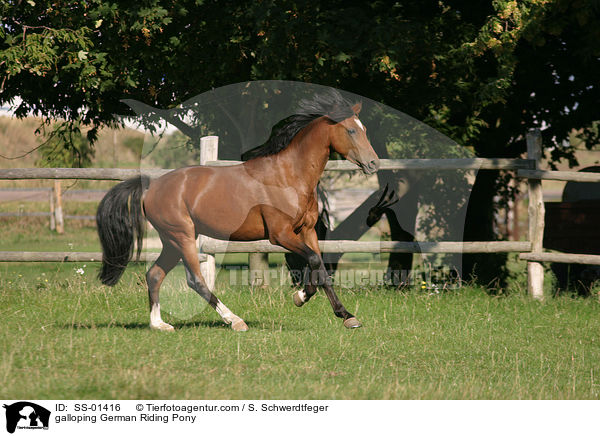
(65, 147)
(469, 69)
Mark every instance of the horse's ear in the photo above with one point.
(357, 107)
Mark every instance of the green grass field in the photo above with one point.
(72, 338)
(64, 336)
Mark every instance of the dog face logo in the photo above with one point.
(26, 415)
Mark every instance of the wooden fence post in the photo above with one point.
(515, 229)
(258, 264)
(209, 151)
(58, 210)
(52, 217)
(535, 270)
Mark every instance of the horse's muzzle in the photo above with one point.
(371, 167)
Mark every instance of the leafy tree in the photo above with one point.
(429, 59)
(553, 84)
(65, 147)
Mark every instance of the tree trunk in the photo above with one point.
(485, 269)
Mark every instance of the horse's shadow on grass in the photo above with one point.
(179, 325)
(145, 325)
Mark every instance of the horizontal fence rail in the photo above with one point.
(44, 214)
(586, 259)
(214, 246)
(567, 176)
(76, 173)
(332, 165)
(67, 256)
(27, 214)
(419, 164)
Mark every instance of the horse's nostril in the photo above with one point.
(374, 164)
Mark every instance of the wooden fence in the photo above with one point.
(531, 251)
(55, 200)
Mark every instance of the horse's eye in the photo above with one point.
(351, 131)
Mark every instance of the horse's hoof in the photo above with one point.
(163, 327)
(239, 325)
(352, 323)
(297, 300)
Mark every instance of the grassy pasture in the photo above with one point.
(69, 337)
(63, 335)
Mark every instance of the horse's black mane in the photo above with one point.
(330, 104)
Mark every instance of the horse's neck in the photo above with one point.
(300, 165)
(309, 153)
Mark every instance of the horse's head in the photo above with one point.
(349, 138)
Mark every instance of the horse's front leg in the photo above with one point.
(309, 237)
(302, 296)
(319, 276)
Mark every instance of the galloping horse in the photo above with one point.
(272, 196)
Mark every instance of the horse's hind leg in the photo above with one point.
(154, 277)
(197, 283)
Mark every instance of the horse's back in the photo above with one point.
(214, 201)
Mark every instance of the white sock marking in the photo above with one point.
(302, 295)
(227, 315)
(155, 318)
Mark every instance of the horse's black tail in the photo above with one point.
(120, 222)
